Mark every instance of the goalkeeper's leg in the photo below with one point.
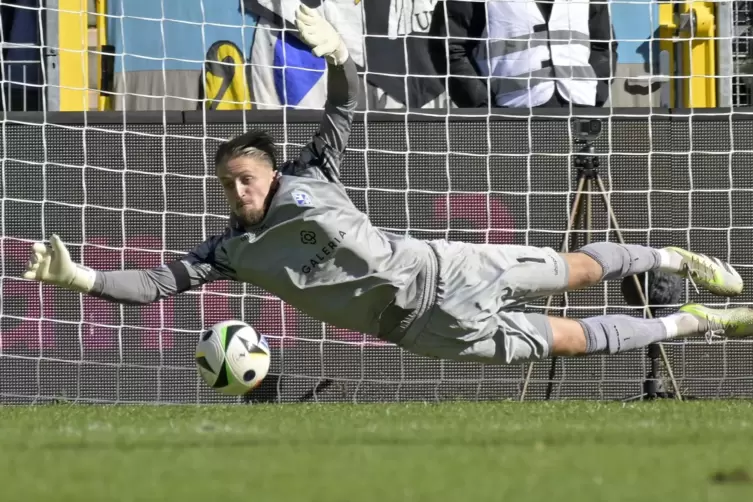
(519, 337)
(612, 334)
(602, 261)
(510, 274)
(480, 286)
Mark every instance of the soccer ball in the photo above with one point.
(232, 358)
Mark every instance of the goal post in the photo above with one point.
(135, 188)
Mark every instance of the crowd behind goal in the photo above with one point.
(425, 54)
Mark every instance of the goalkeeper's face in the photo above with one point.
(248, 183)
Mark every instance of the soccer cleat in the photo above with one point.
(728, 323)
(710, 273)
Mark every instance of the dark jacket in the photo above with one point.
(468, 20)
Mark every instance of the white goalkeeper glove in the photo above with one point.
(320, 35)
(54, 266)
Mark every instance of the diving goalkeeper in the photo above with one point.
(294, 232)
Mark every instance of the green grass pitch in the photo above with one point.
(554, 452)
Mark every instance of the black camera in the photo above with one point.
(587, 129)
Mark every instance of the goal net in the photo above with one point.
(133, 186)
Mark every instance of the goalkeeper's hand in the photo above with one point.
(320, 35)
(54, 266)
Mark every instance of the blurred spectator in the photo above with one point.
(531, 49)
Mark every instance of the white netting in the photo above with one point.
(133, 187)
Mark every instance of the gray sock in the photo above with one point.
(618, 333)
(622, 260)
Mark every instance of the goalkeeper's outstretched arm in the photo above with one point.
(53, 265)
(328, 145)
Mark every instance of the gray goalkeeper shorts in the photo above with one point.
(479, 288)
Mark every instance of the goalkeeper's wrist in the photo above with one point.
(83, 279)
(339, 56)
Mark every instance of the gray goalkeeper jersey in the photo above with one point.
(314, 249)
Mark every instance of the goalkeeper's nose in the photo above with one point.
(239, 194)
(240, 189)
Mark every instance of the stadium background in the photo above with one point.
(134, 188)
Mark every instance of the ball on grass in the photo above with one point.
(232, 358)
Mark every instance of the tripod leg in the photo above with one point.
(589, 209)
(637, 283)
(574, 214)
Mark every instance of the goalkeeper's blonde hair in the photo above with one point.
(258, 145)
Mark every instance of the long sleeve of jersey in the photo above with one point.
(134, 286)
(150, 285)
(319, 159)
(324, 152)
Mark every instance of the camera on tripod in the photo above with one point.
(586, 130)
